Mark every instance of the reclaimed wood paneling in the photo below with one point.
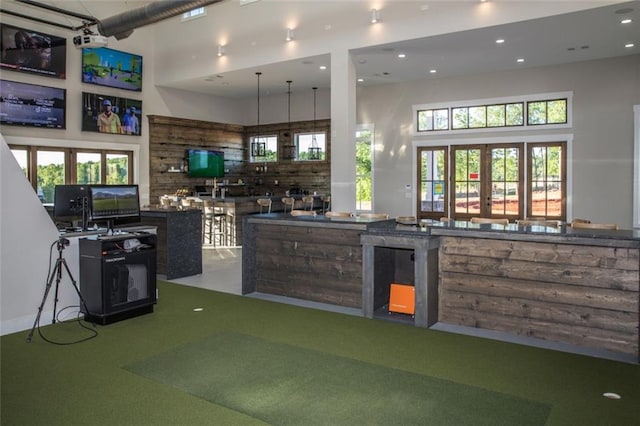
(312, 263)
(171, 137)
(577, 294)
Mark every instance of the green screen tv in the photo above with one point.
(205, 163)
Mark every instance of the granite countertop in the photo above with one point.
(511, 231)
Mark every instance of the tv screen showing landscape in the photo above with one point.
(111, 68)
(33, 52)
(111, 114)
(23, 104)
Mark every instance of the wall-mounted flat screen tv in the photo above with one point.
(205, 163)
(23, 104)
(111, 68)
(33, 52)
(111, 114)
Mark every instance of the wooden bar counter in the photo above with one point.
(574, 287)
(568, 289)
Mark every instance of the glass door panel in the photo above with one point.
(506, 199)
(432, 179)
(467, 182)
(548, 181)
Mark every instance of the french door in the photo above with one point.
(483, 180)
(487, 181)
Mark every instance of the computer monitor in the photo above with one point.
(71, 204)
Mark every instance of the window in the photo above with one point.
(488, 180)
(88, 168)
(541, 110)
(22, 157)
(364, 167)
(50, 171)
(547, 180)
(118, 168)
(46, 167)
(194, 13)
(311, 146)
(547, 112)
(263, 149)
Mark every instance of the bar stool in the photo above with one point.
(264, 202)
(307, 202)
(326, 203)
(288, 203)
(214, 227)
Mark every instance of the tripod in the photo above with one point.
(57, 274)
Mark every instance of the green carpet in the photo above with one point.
(288, 385)
(86, 384)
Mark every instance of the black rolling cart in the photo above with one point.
(117, 276)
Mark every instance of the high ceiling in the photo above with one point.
(577, 36)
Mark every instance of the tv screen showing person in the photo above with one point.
(33, 52)
(111, 114)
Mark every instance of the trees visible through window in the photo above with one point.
(432, 177)
(263, 149)
(547, 182)
(47, 167)
(364, 166)
(488, 180)
(311, 146)
(493, 115)
(50, 172)
(547, 112)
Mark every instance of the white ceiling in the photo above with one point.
(578, 36)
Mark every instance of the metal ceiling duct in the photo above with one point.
(122, 25)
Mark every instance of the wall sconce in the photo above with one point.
(289, 34)
(375, 16)
(220, 50)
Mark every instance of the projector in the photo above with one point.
(89, 40)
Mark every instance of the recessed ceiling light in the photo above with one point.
(629, 45)
(323, 67)
(360, 80)
(520, 60)
(433, 71)
(626, 21)
(402, 55)
(500, 41)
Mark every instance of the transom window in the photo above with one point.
(538, 110)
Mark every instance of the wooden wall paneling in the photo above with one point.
(543, 290)
(171, 137)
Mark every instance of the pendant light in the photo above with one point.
(288, 151)
(314, 149)
(258, 146)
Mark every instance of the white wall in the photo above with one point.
(26, 233)
(604, 94)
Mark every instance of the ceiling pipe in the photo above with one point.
(122, 25)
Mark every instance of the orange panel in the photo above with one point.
(402, 299)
